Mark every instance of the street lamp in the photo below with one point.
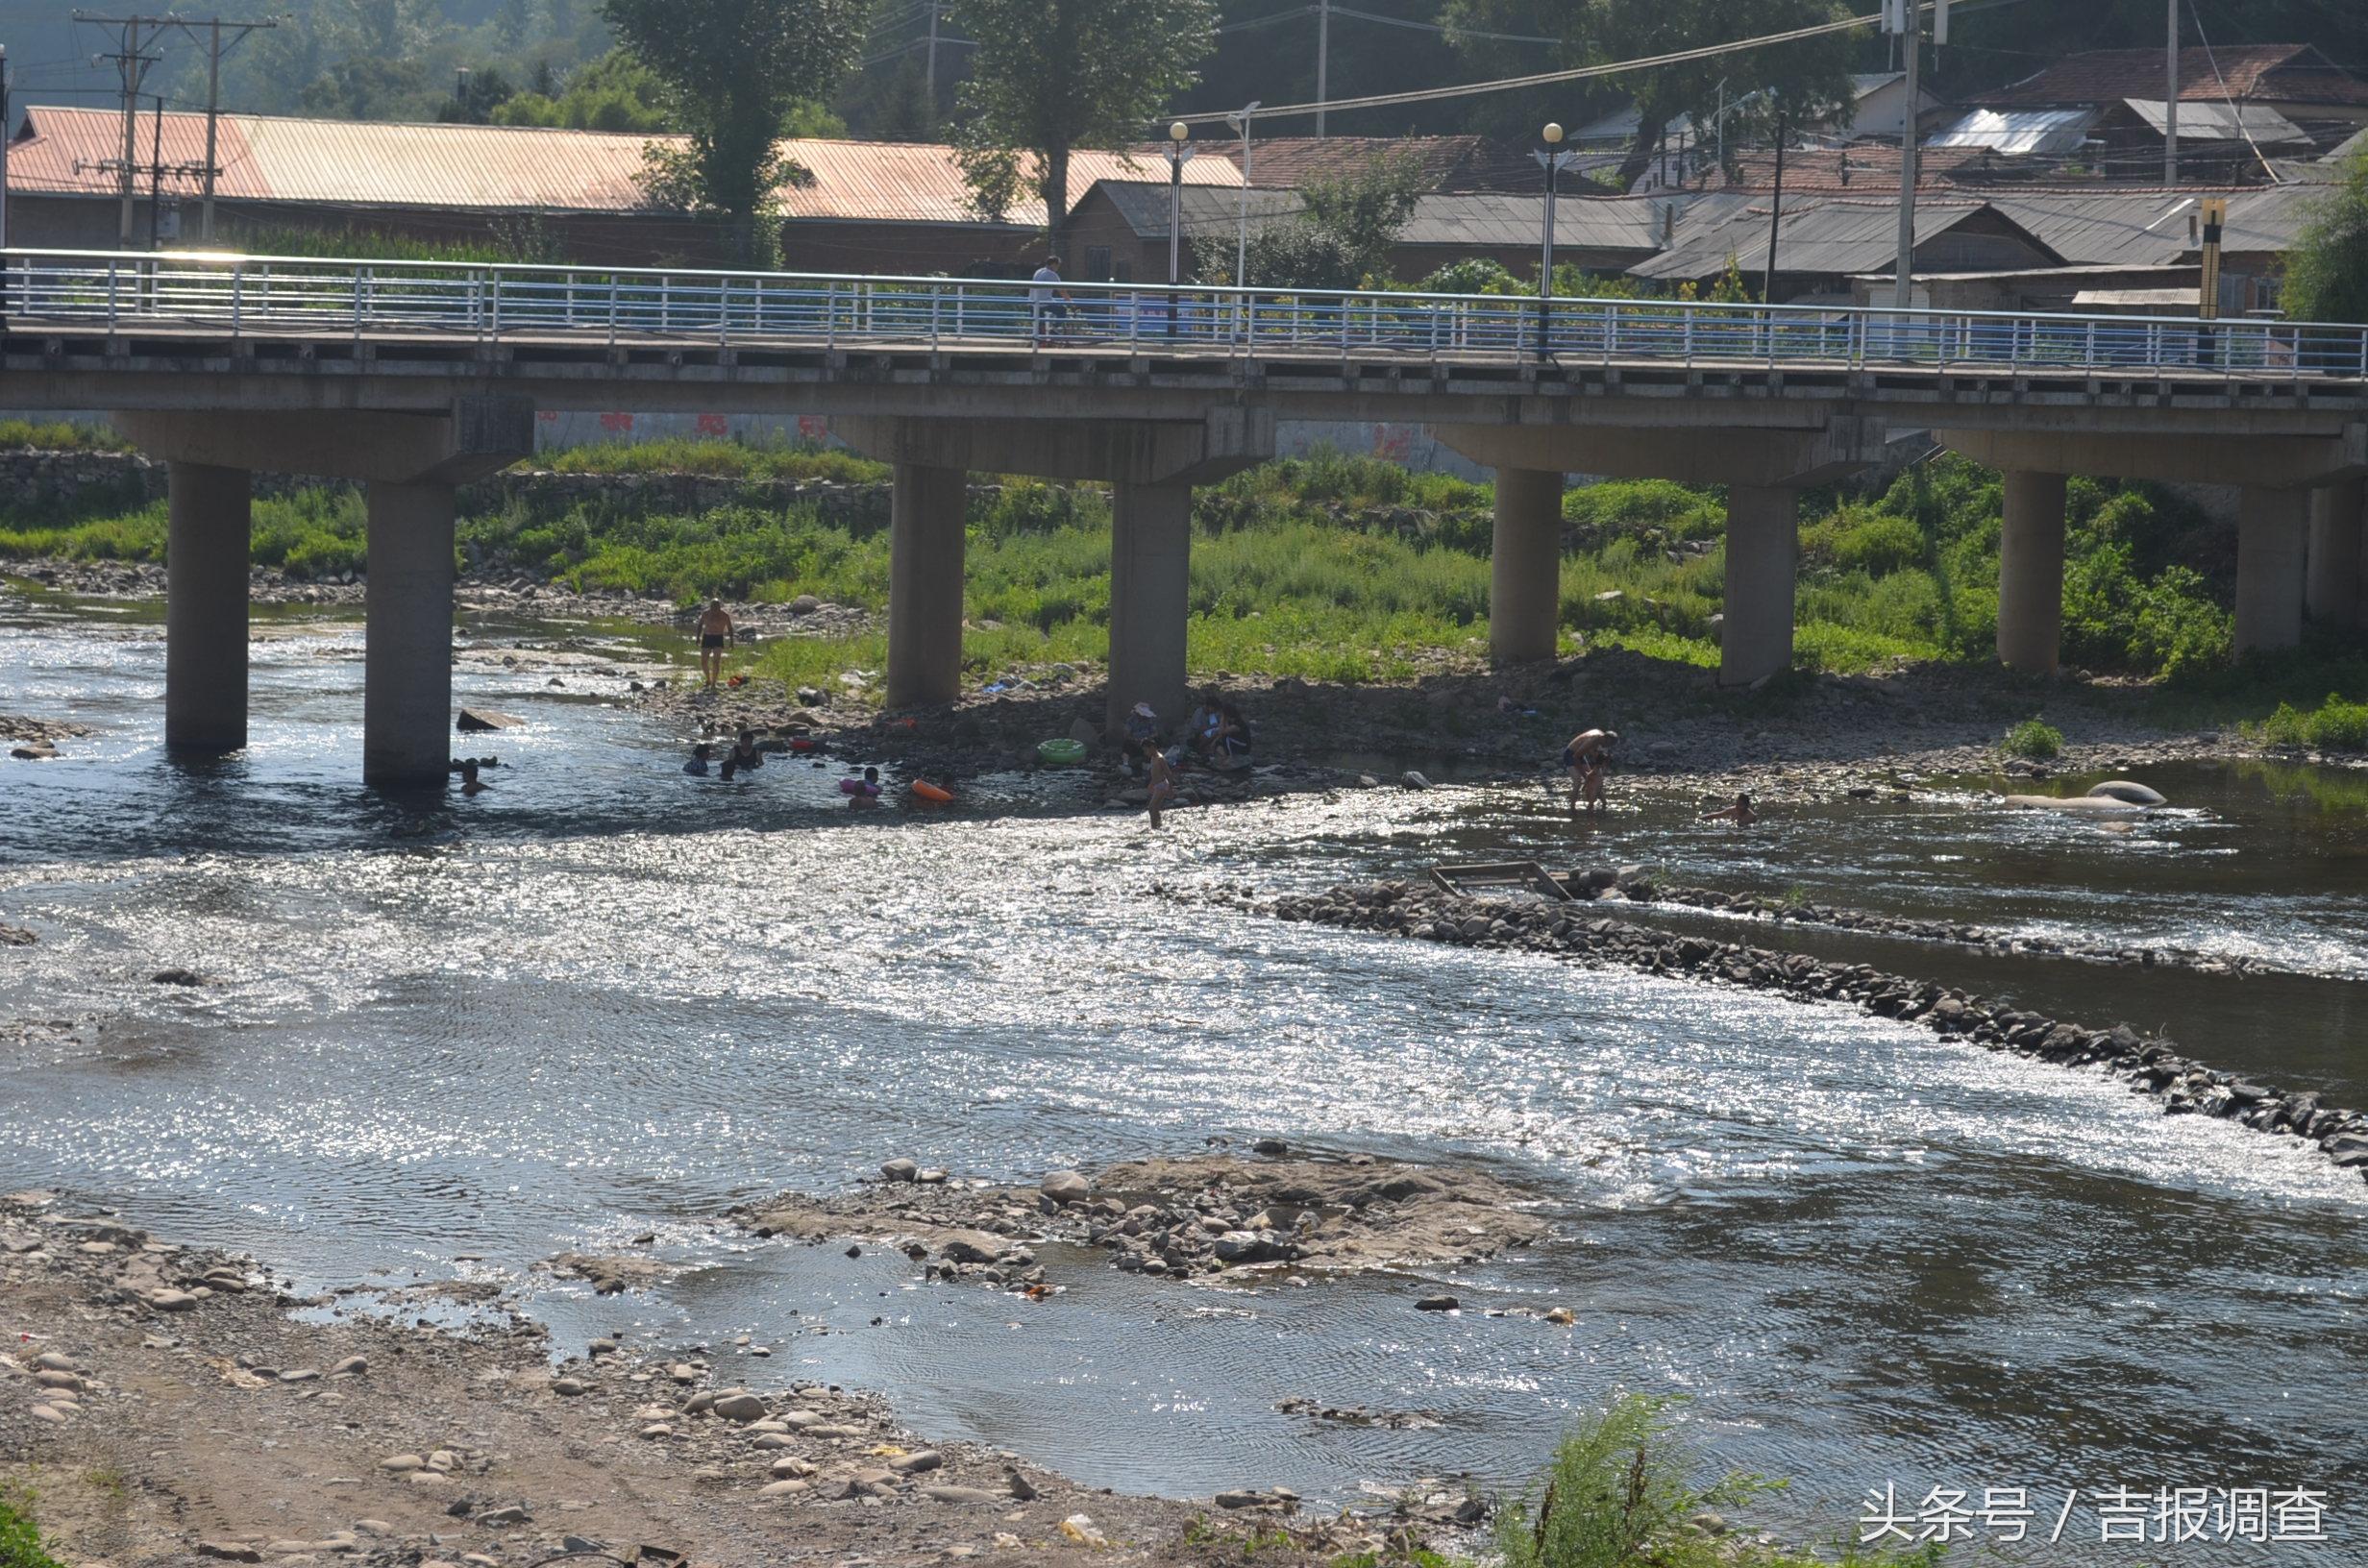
(1553, 157)
(1179, 153)
(1240, 249)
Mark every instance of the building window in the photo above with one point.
(1098, 263)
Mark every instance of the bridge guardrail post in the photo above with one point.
(612, 310)
(831, 314)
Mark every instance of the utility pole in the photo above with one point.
(214, 104)
(2170, 100)
(4, 152)
(928, 72)
(1775, 213)
(1323, 58)
(1906, 19)
(132, 67)
(156, 176)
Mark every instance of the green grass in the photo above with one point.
(719, 458)
(2333, 725)
(1622, 1490)
(53, 435)
(2033, 739)
(1353, 569)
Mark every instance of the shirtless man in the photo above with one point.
(1585, 757)
(1739, 813)
(715, 634)
(1162, 792)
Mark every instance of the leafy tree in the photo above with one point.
(1341, 240)
(1806, 80)
(615, 92)
(733, 71)
(2327, 271)
(1050, 76)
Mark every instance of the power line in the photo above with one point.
(1581, 73)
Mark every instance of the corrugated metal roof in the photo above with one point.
(2280, 72)
(2021, 132)
(1207, 208)
(2150, 228)
(508, 169)
(2220, 121)
(1817, 234)
(1461, 162)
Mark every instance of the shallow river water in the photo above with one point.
(604, 999)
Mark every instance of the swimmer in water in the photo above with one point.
(1739, 813)
(868, 794)
(470, 783)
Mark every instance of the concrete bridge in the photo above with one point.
(414, 378)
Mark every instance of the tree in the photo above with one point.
(2327, 271)
(1341, 240)
(1050, 76)
(733, 70)
(615, 92)
(1805, 81)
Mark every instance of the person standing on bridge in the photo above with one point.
(1047, 299)
(1588, 754)
(715, 634)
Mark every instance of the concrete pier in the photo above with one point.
(1150, 584)
(205, 608)
(1525, 566)
(924, 585)
(2338, 513)
(2272, 527)
(2030, 574)
(1763, 551)
(408, 661)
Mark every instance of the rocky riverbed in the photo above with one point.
(2149, 1065)
(1268, 1213)
(173, 1411)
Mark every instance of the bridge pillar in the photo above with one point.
(205, 608)
(924, 585)
(2338, 513)
(1151, 598)
(2271, 529)
(408, 661)
(1764, 549)
(2031, 573)
(1525, 566)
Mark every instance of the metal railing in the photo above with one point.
(306, 297)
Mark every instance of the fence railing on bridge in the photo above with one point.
(308, 297)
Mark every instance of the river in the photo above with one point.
(604, 1000)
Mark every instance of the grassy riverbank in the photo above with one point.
(1352, 569)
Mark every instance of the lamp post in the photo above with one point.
(1553, 156)
(1241, 246)
(1179, 153)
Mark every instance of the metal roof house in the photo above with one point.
(1823, 241)
(854, 207)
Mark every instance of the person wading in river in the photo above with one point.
(1586, 757)
(1739, 813)
(715, 634)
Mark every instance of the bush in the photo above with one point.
(2334, 725)
(20, 1544)
(2034, 738)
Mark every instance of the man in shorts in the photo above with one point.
(715, 634)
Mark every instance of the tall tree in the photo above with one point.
(1050, 76)
(734, 69)
(1807, 79)
(2326, 272)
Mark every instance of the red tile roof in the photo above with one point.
(502, 168)
(2278, 72)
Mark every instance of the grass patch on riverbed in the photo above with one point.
(1623, 1491)
(1343, 568)
(20, 1544)
(2333, 725)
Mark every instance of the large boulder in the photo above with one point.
(1066, 1188)
(2125, 792)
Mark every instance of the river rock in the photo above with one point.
(785, 1489)
(900, 1170)
(480, 718)
(1067, 1186)
(972, 1495)
(2127, 791)
(740, 1407)
(917, 1462)
(172, 1301)
(1437, 1304)
(971, 1247)
(353, 1366)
